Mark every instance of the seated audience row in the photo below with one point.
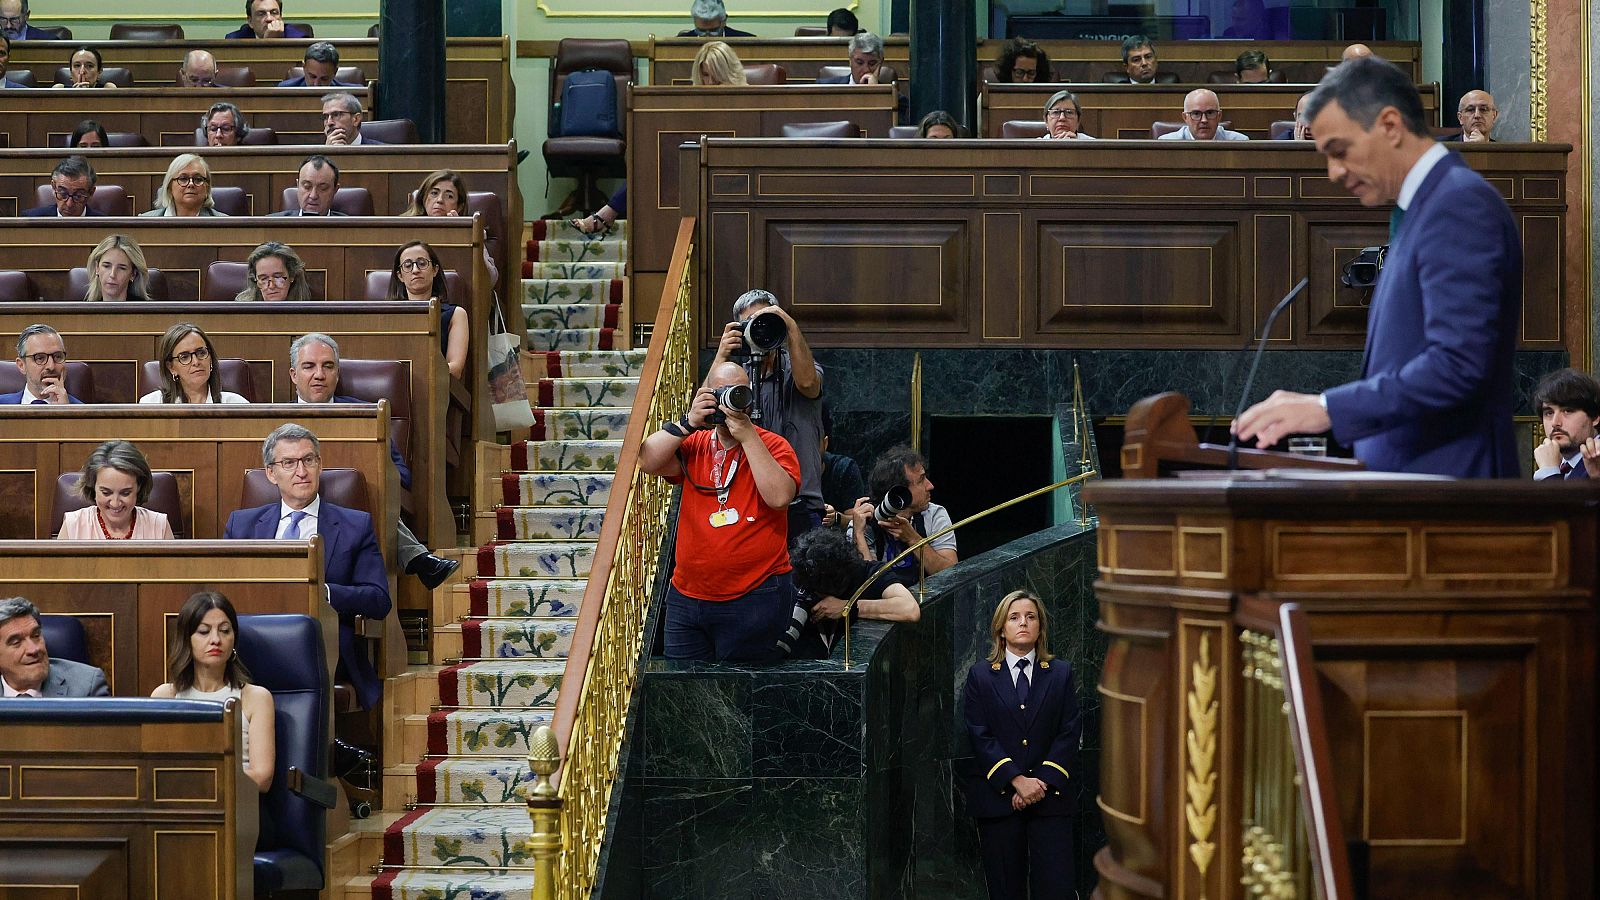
(86, 68)
(1022, 61)
(263, 19)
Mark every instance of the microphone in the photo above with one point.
(1255, 364)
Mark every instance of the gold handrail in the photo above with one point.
(597, 685)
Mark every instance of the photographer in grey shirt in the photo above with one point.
(788, 387)
(882, 530)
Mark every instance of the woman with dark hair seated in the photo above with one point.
(116, 481)
(1022, 61)
(827, 571)
(203, 665)
(89, 133)
(192, 371)
(86, 69)
(940, 124)
(418, 275)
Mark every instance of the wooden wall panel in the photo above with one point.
(1128, 244)
(1300, 61)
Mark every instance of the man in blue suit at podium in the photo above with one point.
(1435, 389)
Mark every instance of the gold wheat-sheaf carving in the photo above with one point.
(1201, 778)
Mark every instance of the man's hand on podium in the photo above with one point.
(1280, 415)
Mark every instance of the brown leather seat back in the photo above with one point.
(765, 73)
(111, 199)
(840, 129)
(146, 31)
(80, 380)
(17, 287)
(78, 284)
(382, 379)
(164, 498)
(235, 374)
(231, 200)
(390, 131)
(1024, 128)
(352, 201)
(378, 286)
(224, 280)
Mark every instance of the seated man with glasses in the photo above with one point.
(1477, 114)
(199, 70)
(1202, 120)
(356, 581)
(1062, 115)
(72, 181)
(224, 125)
(42, 357)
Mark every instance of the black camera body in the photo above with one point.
(1362, 272)
(733, 396)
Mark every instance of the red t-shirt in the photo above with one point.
(728, 562)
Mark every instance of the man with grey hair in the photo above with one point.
(42, 358)
(353, 572)
(711, 20)
(72, 181)
(199, 69)
(319, 68)
(1435, 394)
(788, 391)
(14, 23)
(26, 668)
(223, 125)
(314, 372)
(1202, 120)
(866, 62)
(341, 120)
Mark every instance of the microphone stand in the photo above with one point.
(1255, 364)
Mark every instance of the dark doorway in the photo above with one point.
(976, 462)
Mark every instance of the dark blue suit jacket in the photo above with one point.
(245, 34)
(31, 33)
(1577, 473)
(394, 452)
(50, 211)
(1040, 740)
(15, 397)
(1435, 388)
(358, 584)
(301, 82)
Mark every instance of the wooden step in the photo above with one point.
(447, 644)
(399, 786)
(455, 604)
(492, 459)
(413, 742)
(357, 888)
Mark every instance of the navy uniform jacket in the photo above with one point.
(1436, 382)
(358, 584)
(1040, 741)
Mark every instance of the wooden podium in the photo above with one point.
(1450, 682)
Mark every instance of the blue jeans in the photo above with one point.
(744, 629)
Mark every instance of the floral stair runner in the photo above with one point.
(464, 838)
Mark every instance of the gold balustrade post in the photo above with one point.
(544, 808)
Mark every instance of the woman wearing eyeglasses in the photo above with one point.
(116, 480)
(1062, 116)
(191, 369)
(186, 189)
(117, 270)
(276, 273)
(418, 275)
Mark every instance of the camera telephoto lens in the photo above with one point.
(765, 332)
(894, 502)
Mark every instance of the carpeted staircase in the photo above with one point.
(464, 838)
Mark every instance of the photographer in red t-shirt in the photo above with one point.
(731, 594)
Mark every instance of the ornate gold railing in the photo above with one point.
(598, 686)
(1291, 839)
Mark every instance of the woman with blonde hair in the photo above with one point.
(1021, 709)
(116, 480)
(185, 189)
(717, 64)
(117, 270)
(191, 372)
(276, 273)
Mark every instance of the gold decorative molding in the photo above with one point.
(1539, 69)
(1200, 780)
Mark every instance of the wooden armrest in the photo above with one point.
(371, 629)
(459, 394)
(312, 788)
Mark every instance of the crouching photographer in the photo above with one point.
(827, 571)
(731, 593)
(899, 513)
(788, 390)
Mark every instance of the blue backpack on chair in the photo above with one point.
(588, 106)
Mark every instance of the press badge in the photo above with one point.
(724, 517)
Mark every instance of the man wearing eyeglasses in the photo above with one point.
(199, 70)
(355, 579)
(223, 125)
(42, 359)
(72, 181)
(1202, 120)
(14, 23)
(1477, 114)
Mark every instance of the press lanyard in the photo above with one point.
(718, 455)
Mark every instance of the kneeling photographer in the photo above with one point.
(899, 513)
(788, 391)
(731, 594)
(827, 571)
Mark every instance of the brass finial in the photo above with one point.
(544, 757)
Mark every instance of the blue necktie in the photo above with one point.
(41, 401)
(295, 518)
(1022, 682)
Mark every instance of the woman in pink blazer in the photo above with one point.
(116, 479)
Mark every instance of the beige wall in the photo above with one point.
(92, 19)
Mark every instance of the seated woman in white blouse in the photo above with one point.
(191, 369)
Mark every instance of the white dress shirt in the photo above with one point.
(308, 525)
(1419, 174)
(1011, 663)
(7, 690)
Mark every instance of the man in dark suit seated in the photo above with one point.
(1435, 392)
(866, 62)
(265, 21)
(341, 120)
(42, 357)
(198, 70)
(5, 58)
(1477, 114)
(711, 20)
(1139, 64)
(356, 582)
(73, 181)
(315, 185)
(314, 372)
(26, 669)
(320, 65)
(14, 22)
(1568, 402)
